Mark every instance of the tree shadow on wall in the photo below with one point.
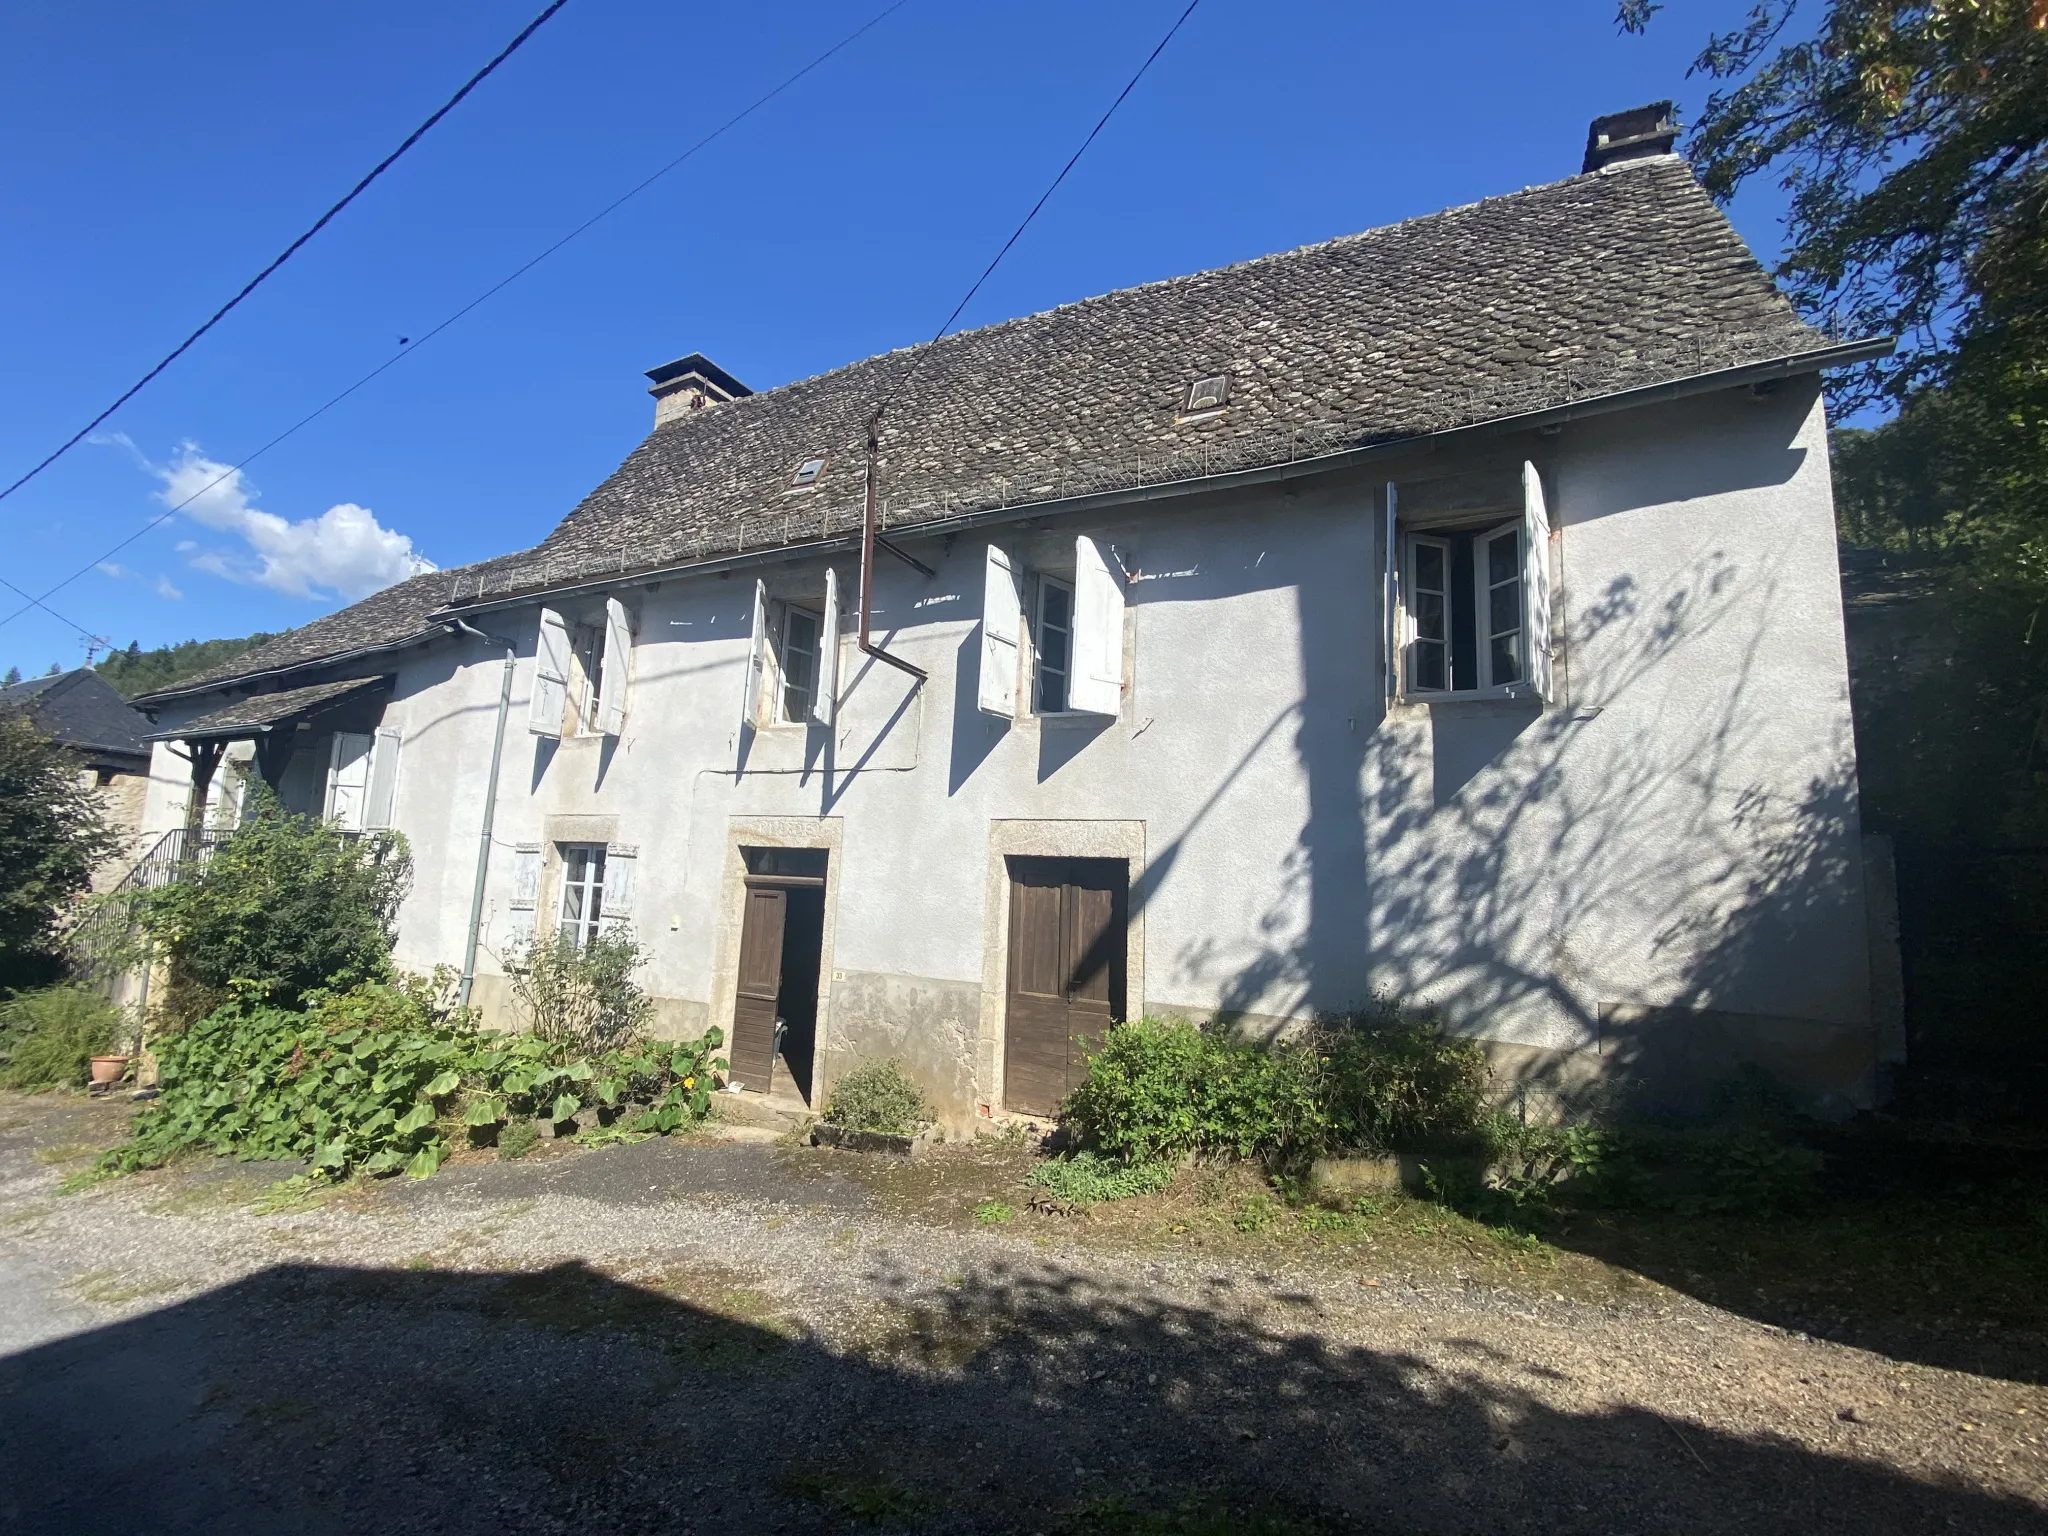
(328, 1399)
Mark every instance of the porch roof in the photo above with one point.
(260, 714)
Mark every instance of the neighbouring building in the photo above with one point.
(82, 711)
(1448, 611)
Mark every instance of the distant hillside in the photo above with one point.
(136, 671)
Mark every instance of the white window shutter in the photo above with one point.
(615, 667)
(621, 860)
(525, 898)
(1390, 598)
(1097, 687)
(383, 780)
(550, 676)
(348, 779)
(1536, 578)
(1002, 624)
(757, 659)
(825, 699)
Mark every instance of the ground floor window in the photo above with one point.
(582, 892)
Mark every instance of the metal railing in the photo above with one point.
(101, 945)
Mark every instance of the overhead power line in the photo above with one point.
(511, 277)
(291, 250)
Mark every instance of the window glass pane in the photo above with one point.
(1429, 665)
(1504, 605)
(1429, 568)
(1507, 663)
(1055, 645)
(1503, 558)
(1429, 616)
(799, 665)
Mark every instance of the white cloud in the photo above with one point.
(344, 551)
(165, 590)
(114, 569)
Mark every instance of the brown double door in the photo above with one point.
(1066, 974)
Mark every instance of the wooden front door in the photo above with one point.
(760, 982)
(1066, 975)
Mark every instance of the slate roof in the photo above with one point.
(82, 710)
(258, 713)
(1580, 288)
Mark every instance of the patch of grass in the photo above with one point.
(66, 1152)
(993, 1213)
(86, 1178)
(1074, 1183)
(1197, 1515)
(1255, 1215)
(51, 1034)
(301, 1192)
(849, 1494)
(108, 1288)
(518, 1139)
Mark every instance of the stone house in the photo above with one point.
(110, 738)
(1448, 611)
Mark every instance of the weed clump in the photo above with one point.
(878, 1096)
(1071, 1184)
(49, 1036)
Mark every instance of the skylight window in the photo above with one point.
(807, 474)
(1209, 394)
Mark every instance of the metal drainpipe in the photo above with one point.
(868, 530)
(483, 844)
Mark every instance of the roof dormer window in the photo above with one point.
(1207, 396)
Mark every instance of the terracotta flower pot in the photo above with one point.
(108, 1069)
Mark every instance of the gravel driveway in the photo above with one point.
(730, 1335)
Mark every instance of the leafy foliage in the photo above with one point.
(1074, 1183)
(1159, 1090)
(287, 905)
(51, 1035)
(379, 1077)
(878, 1096)
(136, 671)
(583, 997)
(52, 835)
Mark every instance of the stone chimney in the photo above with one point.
(690, 384)
(1632, 135)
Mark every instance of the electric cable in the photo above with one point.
(291, 250)
(518, 272)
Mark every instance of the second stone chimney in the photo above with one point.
(1632, 135)
(691, 384)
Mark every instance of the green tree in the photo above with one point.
(52, 835)
(289, 903)
(136, 671)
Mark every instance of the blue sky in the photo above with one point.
(158, 155)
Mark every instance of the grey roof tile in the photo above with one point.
(259, 712)
(1561, 292)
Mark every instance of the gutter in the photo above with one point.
(1839, 355)
(483, 841)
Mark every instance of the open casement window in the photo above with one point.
(383, 796)
(757, 660)
(1471, 605)
(550, 676)
(796, 657)
(1002, 629)
(586, 659)
(1096, 682)
(580, 913)
(615, 668)
(348, 780)
(525, 898)
(1052, 638)
(825, 701)
(620, 862)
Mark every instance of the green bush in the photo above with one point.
(379, 1078)
(51, 1035)
(1074, 1183)
(286, 905)
(878, 1096)
(1390, 1081)
(53, 833)
(584, 997)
